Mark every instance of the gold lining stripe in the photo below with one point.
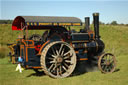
(45, 23)
(64, 23)
(76, 23)
(54, 24)
(83, 59)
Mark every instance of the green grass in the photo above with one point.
(116, 42)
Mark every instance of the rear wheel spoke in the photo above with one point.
(67, 53)
(57, 71)
(66, 57)
(57, 53)
(52, 61)
(53, 51)
(53, 56)
(60, 69)
(66, 65)
(62, 53)
(64, 68)
(49, 58)
(61, 48)
(53, 70)
(68, 61)
(50, 67)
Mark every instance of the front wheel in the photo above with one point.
(107, 63)
(58, 59)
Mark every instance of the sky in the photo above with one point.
(110, 10)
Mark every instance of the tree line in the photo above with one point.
(112, 23)
(6, 21)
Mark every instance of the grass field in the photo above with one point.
(116, 42)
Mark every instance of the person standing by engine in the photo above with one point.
(20, 60)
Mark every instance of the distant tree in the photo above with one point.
(122, 24)
(114, 23)
(107, 23)
(126, 24)
(6, 21)
(102, 23)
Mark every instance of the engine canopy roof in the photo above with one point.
(34, 22)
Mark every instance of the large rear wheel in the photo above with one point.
(58, 59)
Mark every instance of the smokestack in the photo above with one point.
(96, 25)
(87, 23)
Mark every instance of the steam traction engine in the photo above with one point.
(59, 48)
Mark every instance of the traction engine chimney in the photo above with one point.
(96, 25)
(87, 24)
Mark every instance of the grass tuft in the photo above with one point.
(3, 51)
